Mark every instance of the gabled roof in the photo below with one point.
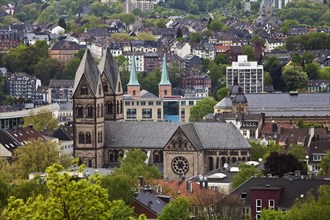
(225, 103)
(109, 67)
(144, 94)
(88, 68)
(149, 201)
(291, 189)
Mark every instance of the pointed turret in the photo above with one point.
(165, 86)
(88, 69)
(133, 86)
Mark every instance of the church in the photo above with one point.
(101, 136)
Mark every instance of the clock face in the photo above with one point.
(180, 165)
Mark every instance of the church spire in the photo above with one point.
(133, 80)
(133, 86)
(164, 80)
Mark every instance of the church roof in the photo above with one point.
(224, 103)
(109, 67)
(88, 68)
(133, 80)
(164, 79)
(145, 134)
(144, 94)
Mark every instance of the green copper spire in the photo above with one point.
(164, 80)
(133, 80)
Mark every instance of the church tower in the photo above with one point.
(165, 87)
(112, 88)
(133, 86)
(88, 117)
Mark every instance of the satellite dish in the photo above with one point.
(225, 165)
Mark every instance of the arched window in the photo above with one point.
(99, 89)
(105, 87)
(156, 157)
(117, 107)
(98, 110)
(79, 111)
(120, 153)
(119, 87)
(134, 92)
(102, 109)
(233, 160)
(83, 90)
(121, 107)
(165, 92)
(109, 108)
(110, 155)
(81, 138)
(90, 111)
(116, 155)
(88, 138)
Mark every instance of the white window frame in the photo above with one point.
(258, 207)
(269, 204)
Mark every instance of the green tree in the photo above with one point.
(222, 93)
(133, 165)
(46, 69)
(245, 173)
(118, 186)
(202, 108)
(61, 23)
(324, 73)
(309, 207)
(221, 59)
(270, 62)
(6, 172)
(175, 210)
(4, 192)
(268, 81)
(298, 152)
(296, 59)
(247, 50)
(43, 120)
(35, 156)
(294, 77)
(68, 199)
(29, 188)
(215, 25)
(325, 164)
(272, 214)
(195, 37)
(312, 70)
(257, 150)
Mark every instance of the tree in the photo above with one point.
(270, 62)
(294, 77)
(325, 164)
(4, 192)
(61, 23)
(29, 188)
(312, 70)
(68, 199)
(298, 152)
(222, 93)
(296, 58)
(195, 37)
(279, 164)
(133, 165)
(118, 186)
(272, 214)
(41, 121)
(46, 69)
(6, 172)
(309, 207)
(175, 210)
(35, 156)
(257, 150)
(215, 26)
(221, 59)
(247, 50)
(324, 73)
(245, 173)
(202, 108)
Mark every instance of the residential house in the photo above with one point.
(181, 49)
(64, 51)
(318, 85)
(152, 61)
(205, 51)
(11, 139)
(196, 79)
(257, 194)
(31, 38)
(272, 43)
(8, 39)
(61, 90)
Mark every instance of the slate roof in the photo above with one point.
(11, 139)
(66, 83)
(145, 134)
(88, 68)
(150, 201)
(284, 104)
(224, 103)
(291, 189)
(144, 94)
(65, 45)
(109, 67)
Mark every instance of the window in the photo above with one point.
(99, 137)
(127, 103)
(102, 109)
(158, 103)
(79, 111)
(83, 90)
(150, 103)
(258, 205)
(109, 108)
(143, 103)
(317, 157)
(244, 132)
(99, 89)
(252, 133)
(81, 138)
(191, 102)
(131, 113)
(117, 107)
(146, 113)
(105, 87)
(159, 113)
(121, 107)
(90, 111)
(183, 102)
(165, 92)
(88, 138)
(134, 92)
(271, 204)
(119, 87)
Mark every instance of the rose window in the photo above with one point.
(180, 165)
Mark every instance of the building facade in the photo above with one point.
(250, 75)
(21, 84)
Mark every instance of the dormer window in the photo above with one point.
(83, 90)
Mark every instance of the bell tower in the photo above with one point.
(88, 114)
(165, 87)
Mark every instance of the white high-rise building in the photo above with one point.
(250, 75)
